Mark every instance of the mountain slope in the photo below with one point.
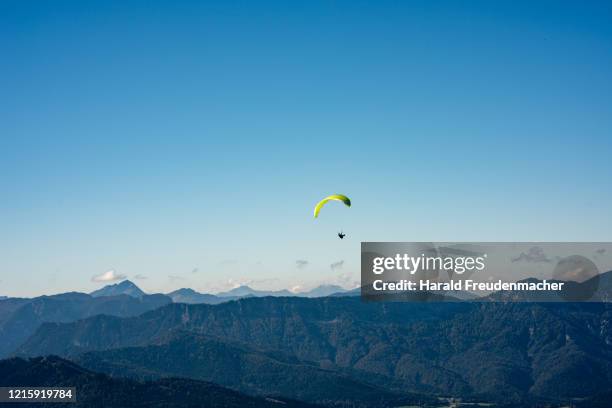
(122, 288)
(235, 366)
(19, 318)
(98, 390)
(186, 295)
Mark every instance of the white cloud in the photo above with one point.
(109, 276)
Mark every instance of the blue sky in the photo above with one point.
(187, 142)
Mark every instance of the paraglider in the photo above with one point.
(333, 197)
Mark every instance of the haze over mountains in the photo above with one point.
(331, 350)
(20, 317)
(535, 351)
(188, 295)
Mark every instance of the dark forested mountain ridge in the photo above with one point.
(498, 350)
(236, 366)
(99, 390)
(19, 318)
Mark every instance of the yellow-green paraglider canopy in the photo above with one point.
(333, 197)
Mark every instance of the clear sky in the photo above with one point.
(186, 143)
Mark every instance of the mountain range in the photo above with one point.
(331, 350)
(20, 317)
(536, 351)
(95, 390)
(188, 295)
